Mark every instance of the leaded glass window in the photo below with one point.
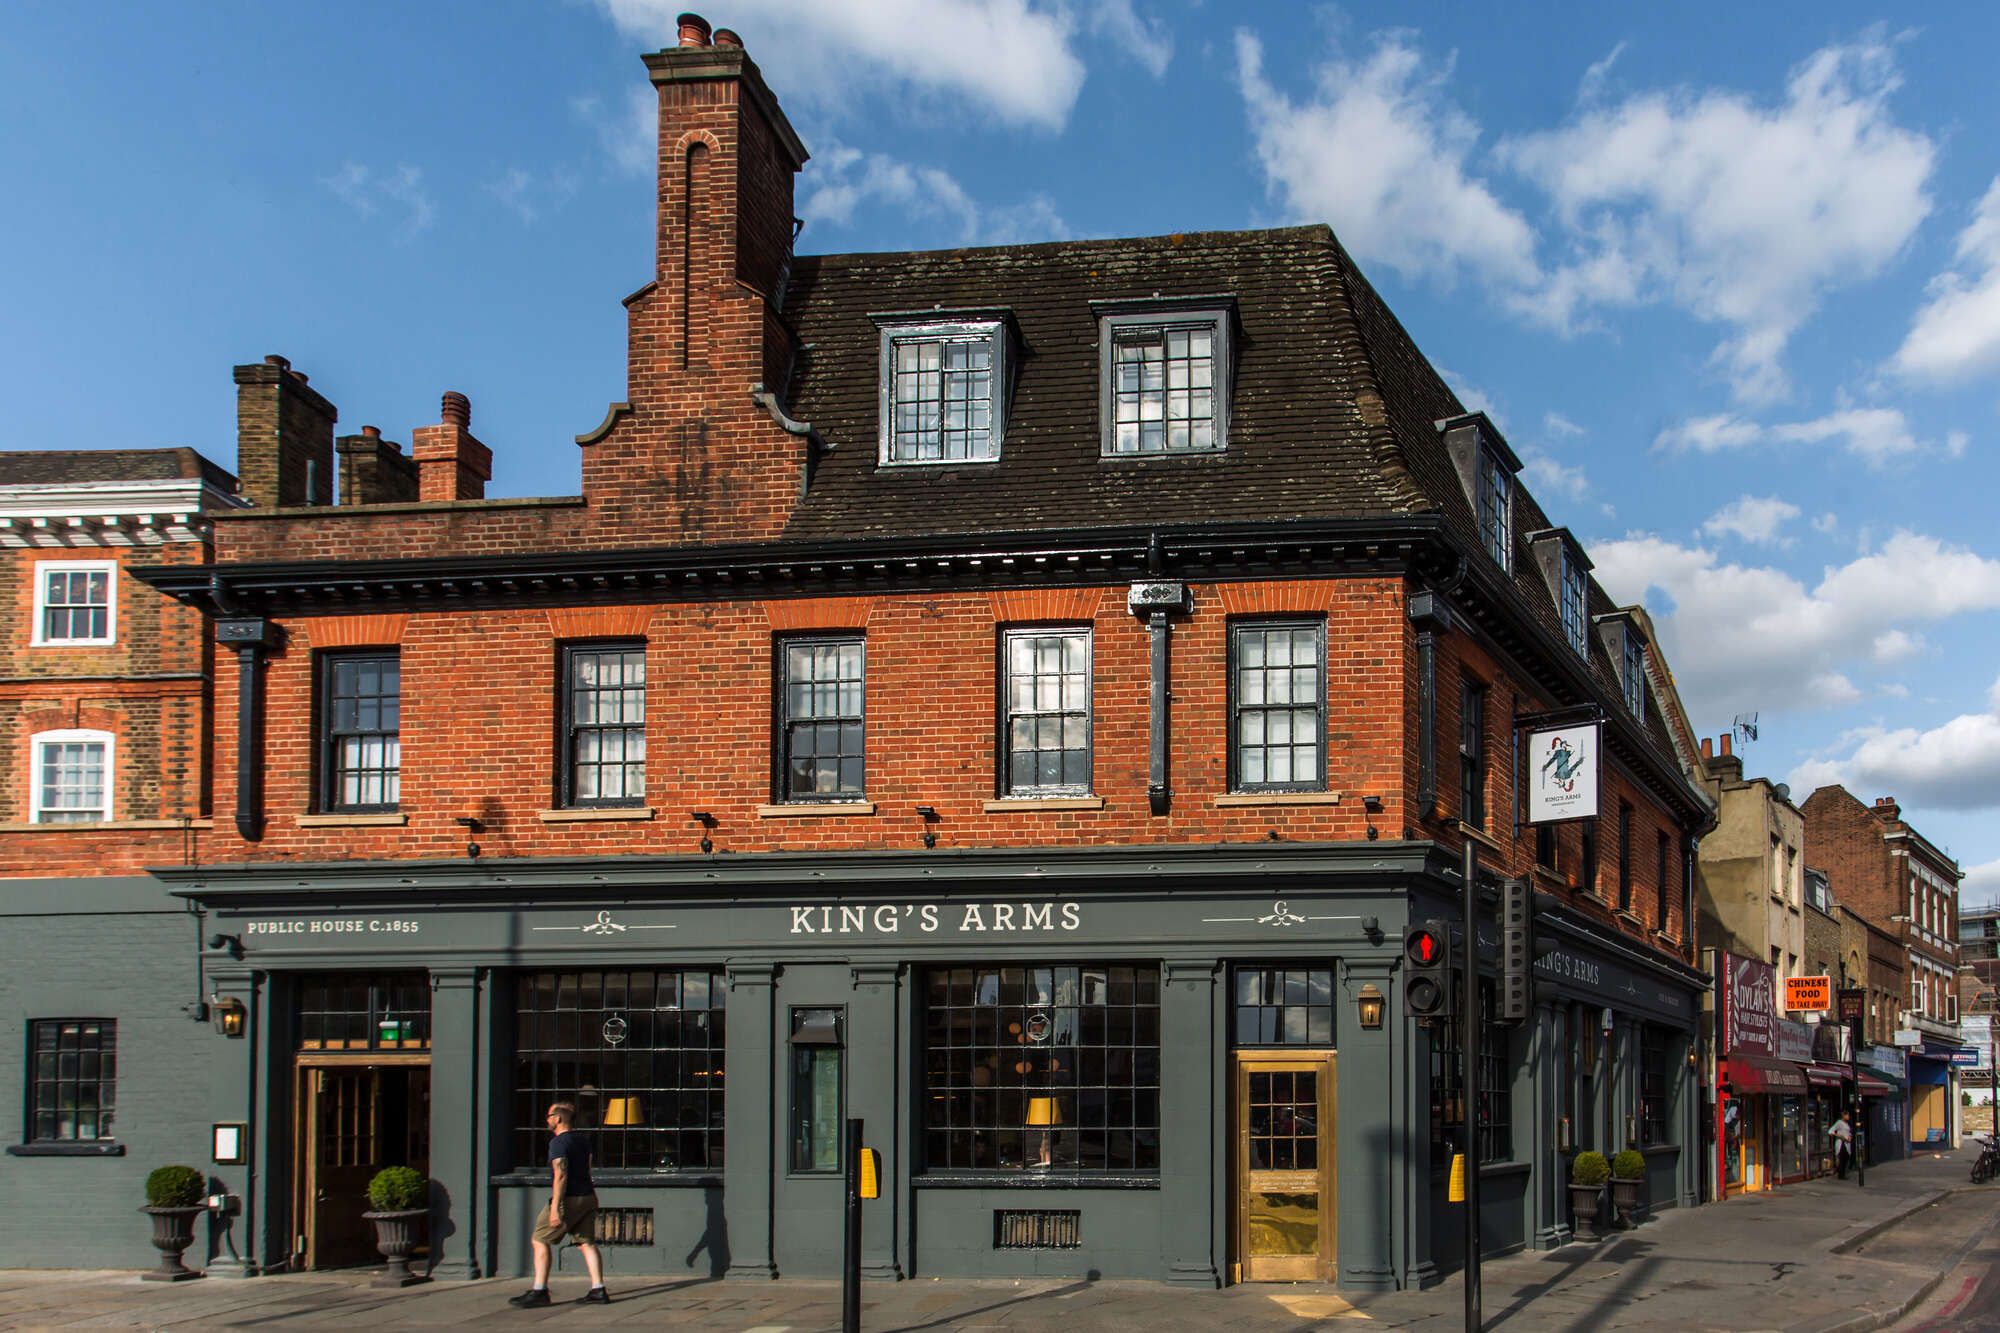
(1634, 675)
(361, 719)
(1278, 706)
(824, 716)
(1042, 1066)
(1163, 390)
(943, 392)
(1048, 712)
(640, 1054)
(1653, 1086)
(1573, 605)
(605, 724)
(349, 1011)
(1494, 498)
(73, 1081)
(1472, 754)
(1496, 1130)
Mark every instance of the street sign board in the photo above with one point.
(1908, 1037)
(1851, 1002)
(1814, 994)
(1563, 766)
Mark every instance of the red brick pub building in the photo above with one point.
(1016, 697)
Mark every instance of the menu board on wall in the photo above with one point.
(1749, 992)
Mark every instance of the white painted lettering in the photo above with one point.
(886, 919)
(802, 921)
(853, 920)
(1003, 916)
(929, 917)
(972, 920)
(1072, 916)
(1036, 916)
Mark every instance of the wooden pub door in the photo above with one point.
(1285, 1179)
(355, 1117)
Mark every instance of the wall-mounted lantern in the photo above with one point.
(1369, 1003)
(228, 1015)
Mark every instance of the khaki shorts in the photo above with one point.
(579, 1221)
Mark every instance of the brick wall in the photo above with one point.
(1844, 838)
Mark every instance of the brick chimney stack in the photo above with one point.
(1887, 810)
(373, 470)
(284, 437)
(451, 463)
(1724, 766)
(690, 454)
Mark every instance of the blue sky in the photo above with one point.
(1728, 277)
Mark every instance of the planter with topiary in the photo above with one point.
(174, 1198)
(1628, 1183)
(1587, 1173)
(400, 1199)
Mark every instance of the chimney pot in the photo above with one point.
(1725, 743)
(278, 361)
(372, 432)
(694, 30)
(457, 409)
(727, 37)
(1707, 745)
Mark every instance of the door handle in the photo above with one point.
(319, 1196)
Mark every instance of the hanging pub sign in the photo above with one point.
(1563, 766)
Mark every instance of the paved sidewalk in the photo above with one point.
(1818, 1257)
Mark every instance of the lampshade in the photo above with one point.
(1044, 1111)
(623, 1111)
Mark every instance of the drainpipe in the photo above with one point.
(252, 637)
(1155, 600)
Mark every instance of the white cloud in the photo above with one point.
(1876, 435)
(1378, 151)
(1743, 214)
(1546, 476)
(1555, 423)
(629, 131)
(1591, 87)
(1981, 885)
(399, 193)
(1149, 42)
(1953, 766)
(1957, 332)
(1010, 59)
(848, 179)
(1752, 519)
(1745, 637)
(526, 195)
(1895, 645)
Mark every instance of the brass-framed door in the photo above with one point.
(1284, 1195)
(356, 1114)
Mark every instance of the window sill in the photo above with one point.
(618, 1177)
(1551, 877)
(107, 825)
(73, 643)
(1483, 838)
(1012, 804)
(1256, 798)
(1036, 1178)
(808, 810)
(1665, 938)
(586, 813)
(386, 819)
(99, 1148)
(1626, 916)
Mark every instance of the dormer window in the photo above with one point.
(1573, 617)
(1495, 500)
(1163, 385)
(1634, 674)
(943, 395)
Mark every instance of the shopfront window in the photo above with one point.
(1653, 1087)
(1278, 1006)
(1038, 1067)
(389, 1011)
(639, 1052)
(1496, 1129)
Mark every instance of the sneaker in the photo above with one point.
(530, 1298)
(596, 1296)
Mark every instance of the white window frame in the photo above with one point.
(71, 736)
(44, 568)
(1219, 320)
(993, 332)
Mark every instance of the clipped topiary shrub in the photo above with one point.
(398, 1189)
(175, 1187)
(1628, 1165)
(1589, 1168)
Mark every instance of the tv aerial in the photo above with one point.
(1745, 727)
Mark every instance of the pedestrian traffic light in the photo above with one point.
(1426, 970)
(1517, 927)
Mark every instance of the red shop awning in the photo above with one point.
(1827, 1076)
(1756, 1074)
(1875, 1087)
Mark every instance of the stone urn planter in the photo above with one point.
(400, 1196)
(1587, 1175)
(174, 1201)
(1628, 1186)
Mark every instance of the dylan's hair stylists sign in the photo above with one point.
(1563, 767)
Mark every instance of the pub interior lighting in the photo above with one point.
(929, 814)
(706, 821)
(228, 1015)
(1369, 1002)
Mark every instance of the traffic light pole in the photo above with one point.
(1468, 1026)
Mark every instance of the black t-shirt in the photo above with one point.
(573, 1151)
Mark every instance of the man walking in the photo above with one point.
(1843, 1145)
(572, 1211)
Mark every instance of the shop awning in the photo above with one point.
(1875, 1087)
(1756, 1074)
(1823, 1075)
